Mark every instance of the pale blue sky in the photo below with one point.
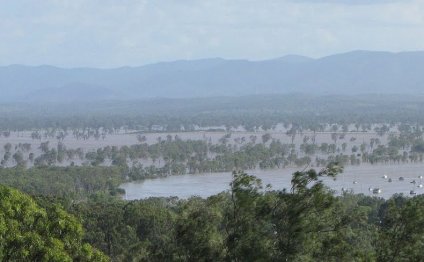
(107, 33)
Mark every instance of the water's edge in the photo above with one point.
(359, 179)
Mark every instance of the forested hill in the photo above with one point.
(348, 73)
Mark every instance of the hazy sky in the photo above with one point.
(106, 33)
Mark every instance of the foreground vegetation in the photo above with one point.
(249, 222)
(29, 232)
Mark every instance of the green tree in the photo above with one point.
(246, 229)
(31, 233)
(401, 229)
(308, 221)
(198, 230)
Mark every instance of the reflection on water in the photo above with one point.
(360, 179)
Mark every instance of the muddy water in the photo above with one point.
(365, 176)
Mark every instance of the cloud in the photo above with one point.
(107, 33)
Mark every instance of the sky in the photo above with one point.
(114, 33)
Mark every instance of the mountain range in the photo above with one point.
(358, 72)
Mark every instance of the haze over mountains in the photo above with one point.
(349, 73)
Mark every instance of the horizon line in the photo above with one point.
(210, 58)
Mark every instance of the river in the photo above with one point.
(357, 178)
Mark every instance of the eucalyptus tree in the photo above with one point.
(31, 233)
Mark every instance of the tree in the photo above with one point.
(308, 218)
(401, 229)
(7, 147)
(104, 216)
(266, 137)
(154, 223)
(198, 230)
(245, 230)
(31, 233)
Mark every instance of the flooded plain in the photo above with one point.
(122, 138)
(359, 179)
